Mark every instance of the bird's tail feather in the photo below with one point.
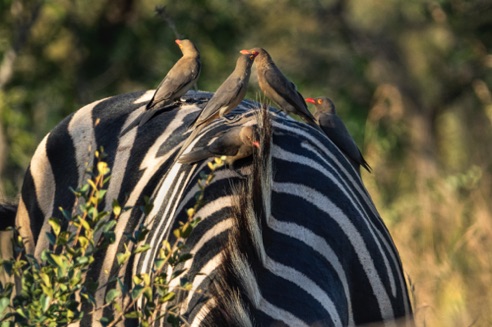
(146, 116)
(190, 139)
(133, 124)
(366, 165)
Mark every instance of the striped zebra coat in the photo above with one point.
(296, 243)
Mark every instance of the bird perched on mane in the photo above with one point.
(225, 99)
(235, 143)
(277, 87)
(336, 131)
(180, 78)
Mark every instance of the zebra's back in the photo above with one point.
(310, 250)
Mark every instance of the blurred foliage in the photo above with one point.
(52, 289)
(411, 79)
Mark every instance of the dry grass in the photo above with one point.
(444, 236)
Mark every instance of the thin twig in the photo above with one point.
(164, 15)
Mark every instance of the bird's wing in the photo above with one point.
(225, 95)
(227, 144)
(336, 130)
(288, 91)
(178, 80)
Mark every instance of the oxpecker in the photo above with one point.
(225, 99)
(182, 76)
(235, 143)
(277, 87)
(335, 129)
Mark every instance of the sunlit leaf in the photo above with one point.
(55, 225)
(112, 295)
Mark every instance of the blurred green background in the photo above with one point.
(410, 78)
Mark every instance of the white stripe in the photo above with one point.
(303, 282)
(345, 189)
(249, 282)
(125, 141)
(219, 228)
(326, 205)
(319, 245)
(204, 273)
(44, 184)
(204, 311)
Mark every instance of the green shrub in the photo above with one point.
(51, 289)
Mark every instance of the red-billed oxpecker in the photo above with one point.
(180, 78)
(277, 87)
(335, 129)
(225, 99)
(235, 143)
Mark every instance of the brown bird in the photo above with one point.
(277, 87)
(235, 143)
(335, 129)
(182, 76)
(225, 99)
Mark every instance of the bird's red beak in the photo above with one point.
(310, 100)
(256, 144)
(178, 41)
(244, 52)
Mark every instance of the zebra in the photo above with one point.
(290, 237)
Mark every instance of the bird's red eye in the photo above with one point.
(320, 101)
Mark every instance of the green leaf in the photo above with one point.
(45, 278)
(51, 238)
(101, 194)
(84, 242)
(45, 302)
(177, 233)
(85, 224)
(102, 168)
(146, 279)
(159, 263)
(4, 303)
(55, 225)
(92, 184)
(57, 260)
(186, 230)
(84, 188)
(66, 214)
(82, 260)
(168, 297)
(148, 293)
(137, 291)
(132, 315)
(123, 257)
(142, 248)
(116, 208)
(108, 226)
(112, 295)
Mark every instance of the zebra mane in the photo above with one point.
(235, 282)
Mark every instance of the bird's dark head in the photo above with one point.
(323, 104)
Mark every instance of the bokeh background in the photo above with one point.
(411, 79)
